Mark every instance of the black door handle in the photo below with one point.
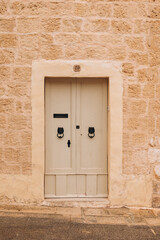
(69, 143)
(60, 132)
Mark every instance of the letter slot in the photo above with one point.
(91, 132)
(60, 132)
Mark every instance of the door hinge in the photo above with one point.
(108, 108)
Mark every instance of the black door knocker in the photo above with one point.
(60, 132)
(91, 132)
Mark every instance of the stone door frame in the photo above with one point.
(122, 190)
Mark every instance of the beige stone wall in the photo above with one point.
(124, 32)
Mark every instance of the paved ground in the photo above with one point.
(48, 227)
(62, 220)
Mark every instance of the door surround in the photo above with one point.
(122, 189)
(76, 171)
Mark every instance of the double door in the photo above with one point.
(75, 137)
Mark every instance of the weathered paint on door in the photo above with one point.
(78, 170)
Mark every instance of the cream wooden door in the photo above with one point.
(92, 150)
(76, 163)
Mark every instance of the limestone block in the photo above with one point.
(29, 41)
(154, 11)
(139, 140)
(18, 89)
(149, 91)
(157, 171)
(89, 39)
(60, 8)
(103, 10)
(26, 168)
(154, 26)
(100, 9)
(50, 24)
(136, 162)
(6, 105)
(3, 7)
(120, 11)
(153, 43)
(136, 43)
(28, 25)
(3, 121)
(8, 40)
(11, 139)
(26, 138)
(26, 8)
(134, 90)
(132, 10)
(13, 169)
(139, 123)
(155, 141)
(156, 187)
(158, 91)
(6, 56)
(139, 191)
(32, 8)
(83, 10)
(2, 90)
(5, 73)
(138, 107)
(19, 107)
(22, 74)
(66, 39)
(94, 52)
(154, 155)
(154, 49)
(52, 52)
(154, 58)
(154, 107)
(26, 56)
(74, 53)
(128, 69)
(139, 58)
(156, 201)
(46, 40)
(121, 27)
(141, 26)
(72, 25)
(116, 53)
(7, 25)
(17, 122)
(96, 25)
(109, 40)
(158, 125)
(149, 75)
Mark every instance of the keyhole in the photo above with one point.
(69, 143)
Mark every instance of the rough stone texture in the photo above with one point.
(157, 171)
(125, 31)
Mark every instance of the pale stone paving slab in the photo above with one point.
(97, 215)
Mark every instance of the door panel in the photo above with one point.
(81, 185)
(58, 101)
(61, 187)
(92, 157)
(81, 169)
